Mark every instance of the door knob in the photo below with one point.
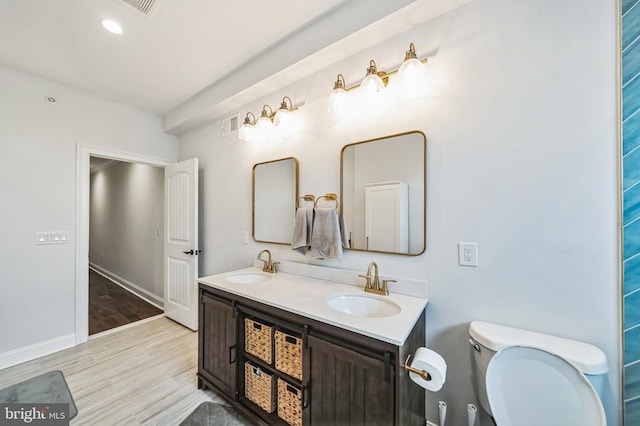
(188, 252)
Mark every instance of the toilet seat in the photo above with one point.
(529, 386)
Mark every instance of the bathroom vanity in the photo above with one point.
(317, 365)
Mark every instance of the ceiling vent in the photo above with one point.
(143, 6)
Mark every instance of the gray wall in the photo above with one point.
(38, 144)
(521, 129)
(127, 225)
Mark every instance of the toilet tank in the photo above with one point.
(489, 338)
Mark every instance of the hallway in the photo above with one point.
(112, 306)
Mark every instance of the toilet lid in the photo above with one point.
(529, 386)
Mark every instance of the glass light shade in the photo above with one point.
(372, 83)
(264, 124)
(283, 115)
(246, 132)
(411, 74)
(337, 100)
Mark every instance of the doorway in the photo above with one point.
(126, 219)
(84, 154)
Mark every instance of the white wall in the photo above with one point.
(521, 129)
(127, 224)
(38, 174)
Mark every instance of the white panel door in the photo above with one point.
(386, 217)
(181, 242)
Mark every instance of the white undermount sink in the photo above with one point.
(362, 305)
(247, 277)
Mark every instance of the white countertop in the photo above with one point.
(307, 297)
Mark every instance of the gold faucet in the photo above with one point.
(269, 266)
(374, 287)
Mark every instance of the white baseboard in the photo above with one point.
(27, 353)
(156, 301)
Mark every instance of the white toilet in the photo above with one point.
(526, 378)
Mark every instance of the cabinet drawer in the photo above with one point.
(258, 339)
(288, 351)
(260, 387)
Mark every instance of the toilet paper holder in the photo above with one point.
(422, 373)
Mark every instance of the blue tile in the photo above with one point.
(632, 310)
(631, 203)
(626, 5)
(630, 62)
(630, 27)
(631, 169)
(631, 133)
(632, 412)
(632, 381)
(632, 275)
(631, 97)
(631, 239)
(632, 345)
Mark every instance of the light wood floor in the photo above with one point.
(144, 375)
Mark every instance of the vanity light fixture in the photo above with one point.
(268, 120)
(246, 131)
(284, 112)
(265, 122)
(337, 98)
(372, 82)
(375, 81)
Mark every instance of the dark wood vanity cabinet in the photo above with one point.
(217, 347)
(347, 378)
(347, 387)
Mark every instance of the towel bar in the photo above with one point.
(306, 197)
(330, 197)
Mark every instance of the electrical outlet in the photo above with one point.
(244, 237)
(468, 254)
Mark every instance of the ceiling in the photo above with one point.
(193, 60)
(160, 60)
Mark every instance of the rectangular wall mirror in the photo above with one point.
(275, 191)
(383, 194)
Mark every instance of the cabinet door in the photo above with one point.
(218, 344)
(348, 388)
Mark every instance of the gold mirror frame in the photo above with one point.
(424, 183)
(253, 197)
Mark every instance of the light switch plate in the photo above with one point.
(53, 237)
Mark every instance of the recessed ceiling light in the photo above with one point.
(111, 26)
(51, 99)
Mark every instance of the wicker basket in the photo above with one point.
(288, 354)
(289, 403)
(260, 387)
(258, 339)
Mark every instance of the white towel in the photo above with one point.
(325, 237)
(346, 237)
(303, 221)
